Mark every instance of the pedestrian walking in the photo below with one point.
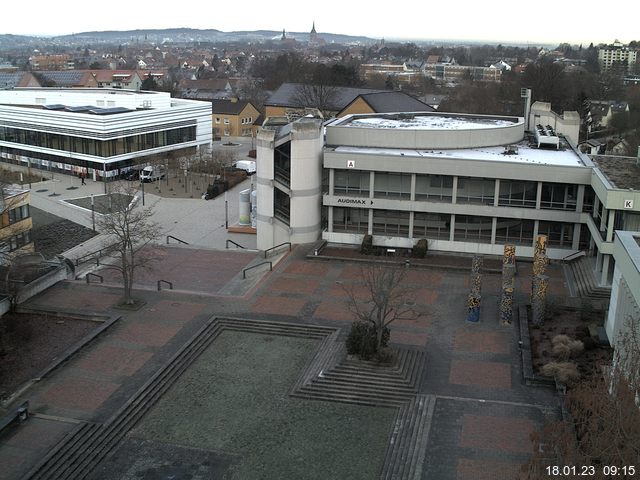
(82, 178)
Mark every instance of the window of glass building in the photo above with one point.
(469, 228)
(391, 222)
(516, 193)
(431, 225)
(514, 231)
(392, 185)
(352, 220)
(476, 190)
(588, 201)
(559, 234)
(559, 196)
(281, 205)
(434, 187)
(351, 182)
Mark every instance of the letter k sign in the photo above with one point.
(628, 204)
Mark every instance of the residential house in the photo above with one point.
(18, 79)
(233, 118)
(384, 102)
(15, 223)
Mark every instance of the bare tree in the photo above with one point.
(385, 299)
(319, 96)
(603, 430)
(132, 228)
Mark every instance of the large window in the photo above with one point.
(514, 231)
(431, 225)
(470, 228)
(434, 187)
(392, 223)
(476, 190)
(15, 215)
(517, 193)
(559, 196)
(282, 163)
(281, 205)
(559, 235)
(351, 182)
(353, 220)
(394, 185)
(100, 148)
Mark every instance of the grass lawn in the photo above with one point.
(234, 400)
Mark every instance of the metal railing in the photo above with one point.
(160, 282)
(244, 272)
(573, 256)
(88, 275)
(100, 253)
(176, 239)
(277, 246)
(236, 244)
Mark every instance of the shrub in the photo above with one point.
(385, 355)
(561, 351)
(564, 372)
(362, 340)
(560, 339)
(576, 347)
(419, 250)
(589, 343)
(366, 247)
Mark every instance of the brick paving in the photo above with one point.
(483, 411)
(481, 374)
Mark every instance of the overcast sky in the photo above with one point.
(534, 22)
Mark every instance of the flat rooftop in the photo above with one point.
(622, 172)
(429, 122)
(525, 154)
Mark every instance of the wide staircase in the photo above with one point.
(585, 281)
(335, 377)
(89, 443)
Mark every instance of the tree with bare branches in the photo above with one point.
(379, 298)
(132, 228)
(603, 425)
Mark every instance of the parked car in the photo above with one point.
(152, 173)
(246, 165)
(133, 174)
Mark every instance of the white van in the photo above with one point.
(152, 173)
(248, 166)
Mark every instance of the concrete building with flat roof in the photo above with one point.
(100, 132)
(466, 183)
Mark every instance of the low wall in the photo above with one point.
(62, 272)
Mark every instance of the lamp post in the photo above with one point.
(93, 214)
(142, 182)
(226, 211)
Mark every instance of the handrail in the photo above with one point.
(574, 254)
(160, 282)
(236, 244)
(277, 246)
(244, 272)
(86, 277)
(177, 239)
(100, 253)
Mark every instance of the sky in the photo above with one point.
(546, 22)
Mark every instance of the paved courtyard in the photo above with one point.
(481, 421)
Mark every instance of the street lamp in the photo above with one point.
(93, 214)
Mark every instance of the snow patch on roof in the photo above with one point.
(429, 122)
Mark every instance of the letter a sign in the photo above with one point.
(351, 164)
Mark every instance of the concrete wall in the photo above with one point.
(59, 274)
(410, 138)
(625, 289)
(567, 124)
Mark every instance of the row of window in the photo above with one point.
(15, 215)
(467, 228)
(555, 196)
(10, 244)
(225, 120)
(99, 148)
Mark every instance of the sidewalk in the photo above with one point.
(196, 221)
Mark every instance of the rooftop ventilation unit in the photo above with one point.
(546, 135)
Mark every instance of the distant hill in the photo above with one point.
(178, 35)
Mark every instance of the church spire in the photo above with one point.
(313, 28)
